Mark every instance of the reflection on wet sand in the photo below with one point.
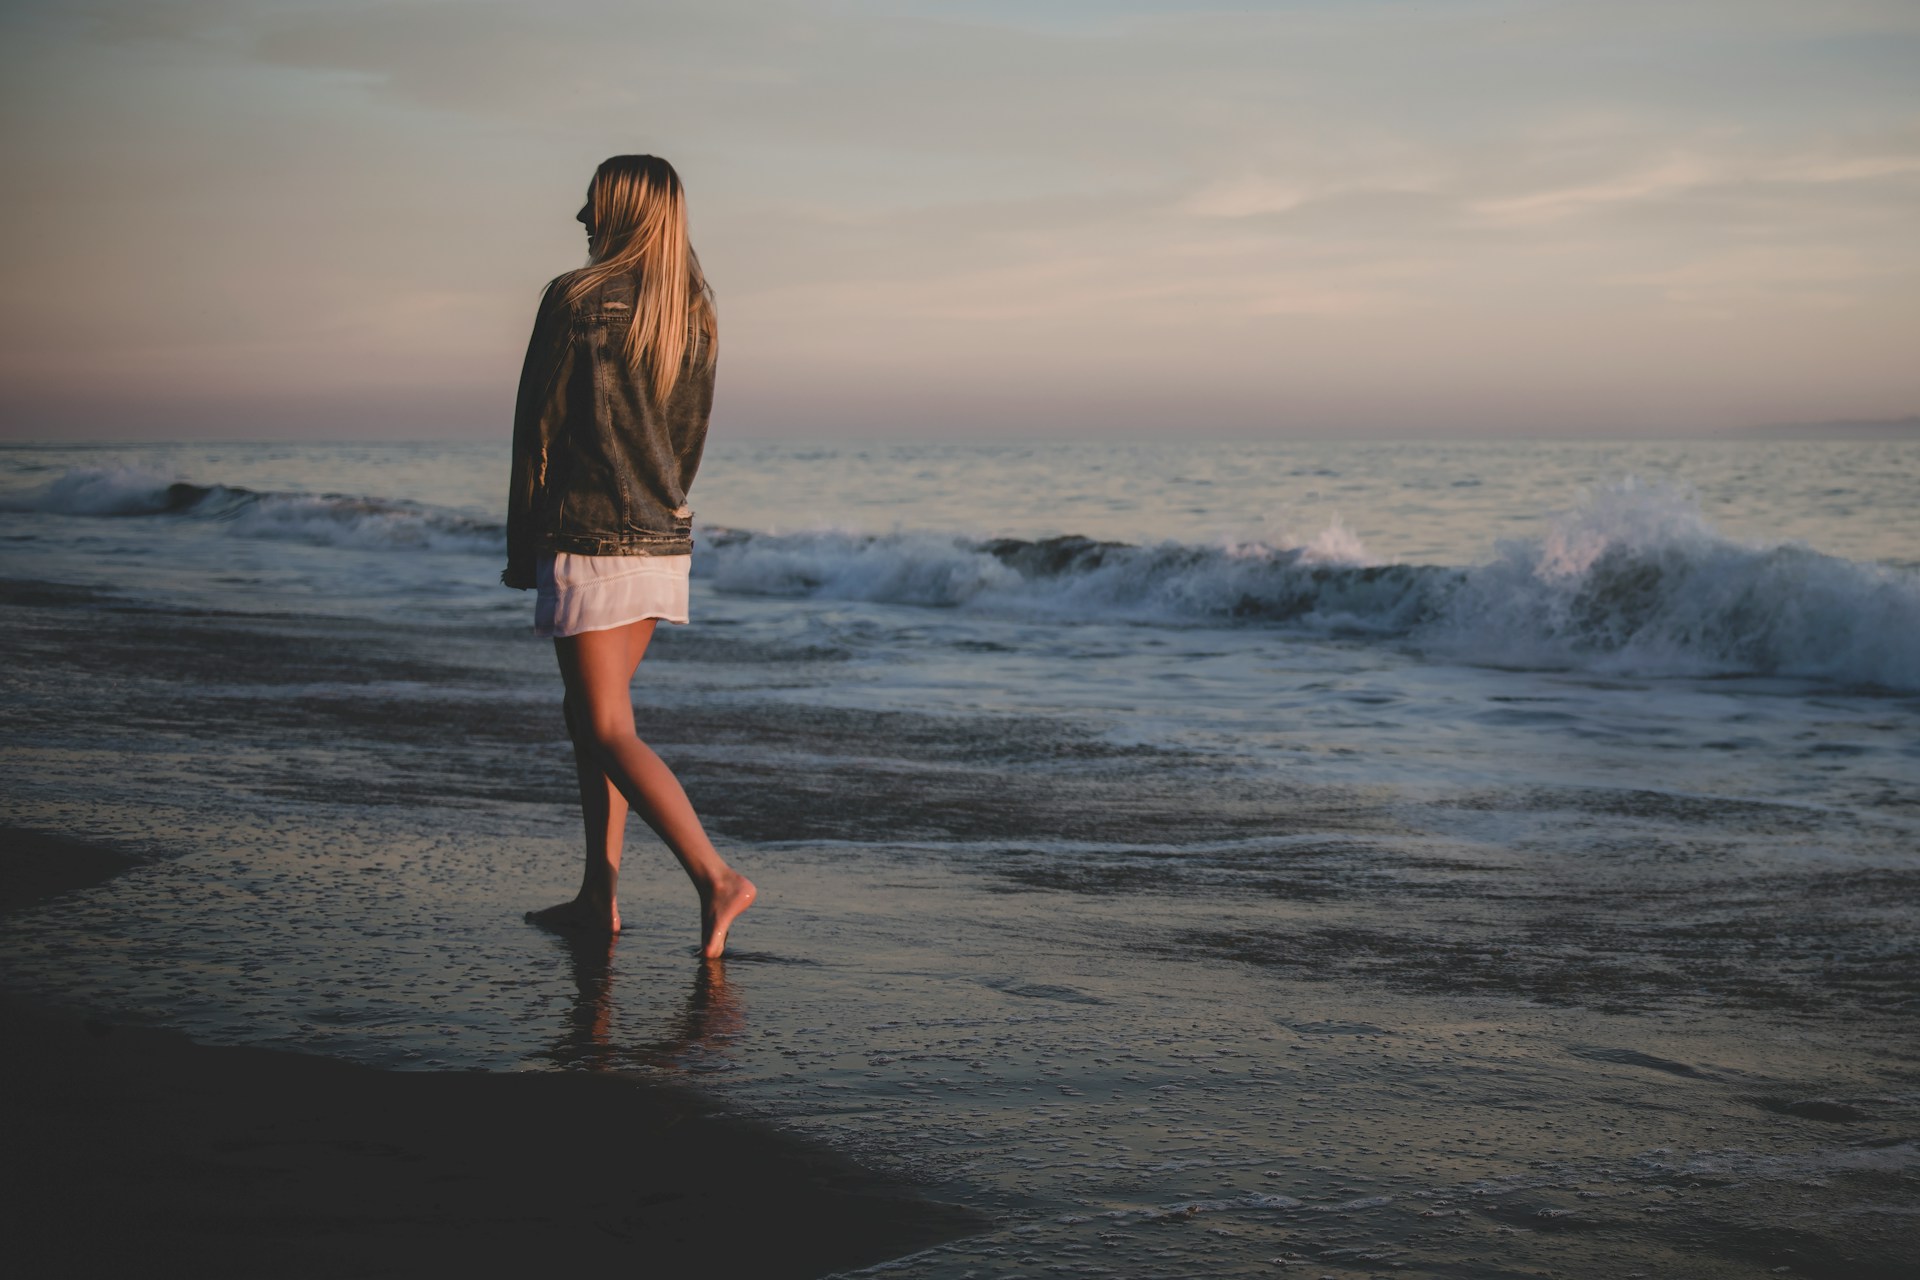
(694, 1038)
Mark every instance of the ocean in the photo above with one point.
(1425, 858)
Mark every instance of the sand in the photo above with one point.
(134, 1151)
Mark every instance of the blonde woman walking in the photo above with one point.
(607, 434)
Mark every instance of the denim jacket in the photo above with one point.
(600, 467)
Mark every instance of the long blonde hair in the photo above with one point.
(639, 212)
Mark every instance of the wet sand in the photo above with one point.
(1459, 975)
(135, 1151)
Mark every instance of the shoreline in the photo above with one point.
(135, 1149)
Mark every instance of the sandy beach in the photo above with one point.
(133, 1151)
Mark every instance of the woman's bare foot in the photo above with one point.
(719, 908)
(581, 916)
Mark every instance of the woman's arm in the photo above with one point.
(535, 415)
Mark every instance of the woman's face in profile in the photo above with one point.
(585, 217)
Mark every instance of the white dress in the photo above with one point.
(592, 593)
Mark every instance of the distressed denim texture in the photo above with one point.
(600, 467)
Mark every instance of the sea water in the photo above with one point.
(1418, 858)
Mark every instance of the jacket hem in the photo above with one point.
(640, 544)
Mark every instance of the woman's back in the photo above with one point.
(621, 460)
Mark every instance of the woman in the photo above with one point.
(607, 434)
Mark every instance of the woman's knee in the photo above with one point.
(605, 731)
(590, 727)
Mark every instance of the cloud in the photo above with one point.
(1670, 176)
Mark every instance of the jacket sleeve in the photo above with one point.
(535, 418)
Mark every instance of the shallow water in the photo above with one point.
(1191, 942)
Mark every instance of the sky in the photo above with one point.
(315, 219)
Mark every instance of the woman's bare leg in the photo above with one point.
(598, 668)
(603, 813)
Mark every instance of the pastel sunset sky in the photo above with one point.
(332, 218)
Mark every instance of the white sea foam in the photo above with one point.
(1633, 581)
(99, 491)
(364, 523)
(337, 520)
(1068, 579)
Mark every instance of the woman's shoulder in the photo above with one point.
(586, 295)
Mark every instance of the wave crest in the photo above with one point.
(1637, 581)
(333, 520)
(1633, 581)
(1070, 578)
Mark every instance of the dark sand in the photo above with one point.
(134, 1151)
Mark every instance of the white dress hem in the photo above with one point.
(578, 593)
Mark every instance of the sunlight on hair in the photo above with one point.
(640, 227)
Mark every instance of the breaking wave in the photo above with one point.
(1635, 581)
(334, 520)
(1072, 578)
